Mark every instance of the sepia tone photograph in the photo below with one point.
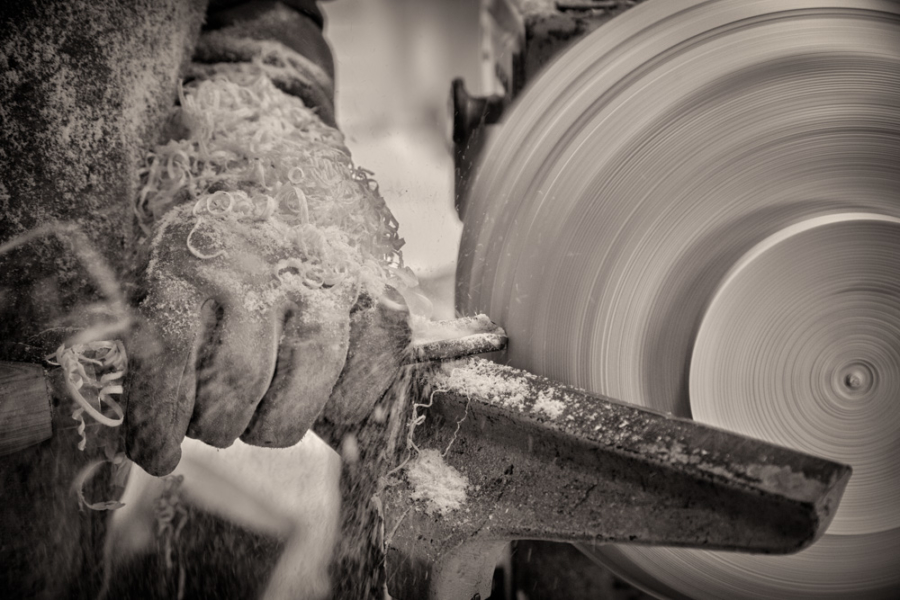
(450, 299)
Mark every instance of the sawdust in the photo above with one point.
(551, 406)
(439, 485)
(486, 380)
(359, 571)
(84, 88)
(425, 331)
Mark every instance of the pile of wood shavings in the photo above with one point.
(442, 487)
(254, 154)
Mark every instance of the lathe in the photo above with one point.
(693, 209)
(682, 220)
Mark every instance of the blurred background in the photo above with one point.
(395, 60)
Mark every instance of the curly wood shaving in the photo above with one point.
(121, 465)
(193, 249)
(78, 415)
(257, 154)
(80, 364)
(171, 517)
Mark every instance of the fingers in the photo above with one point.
(234, 368)
(162, 351)
(310, 358)
(379, 337)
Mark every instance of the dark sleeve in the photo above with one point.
(238, 30)
(309, 8)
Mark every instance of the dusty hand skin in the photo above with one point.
(232, 346)
(379, 341)
(228, 346)
(263, 269)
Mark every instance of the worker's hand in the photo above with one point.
(238, 339)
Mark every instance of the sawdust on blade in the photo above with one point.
(425, 331)
(485, 380)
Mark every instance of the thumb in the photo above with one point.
(379, 340)
(161, 386)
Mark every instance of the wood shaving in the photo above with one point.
(548, 405)
(95, 369)
(485, 380)
(441, 486)
(257, 160)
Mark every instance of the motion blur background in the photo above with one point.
(395, 60)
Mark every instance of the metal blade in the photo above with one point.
(544, 461)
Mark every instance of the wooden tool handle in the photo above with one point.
(25, 410)
(25, 400)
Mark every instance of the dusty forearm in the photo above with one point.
(85, 85)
